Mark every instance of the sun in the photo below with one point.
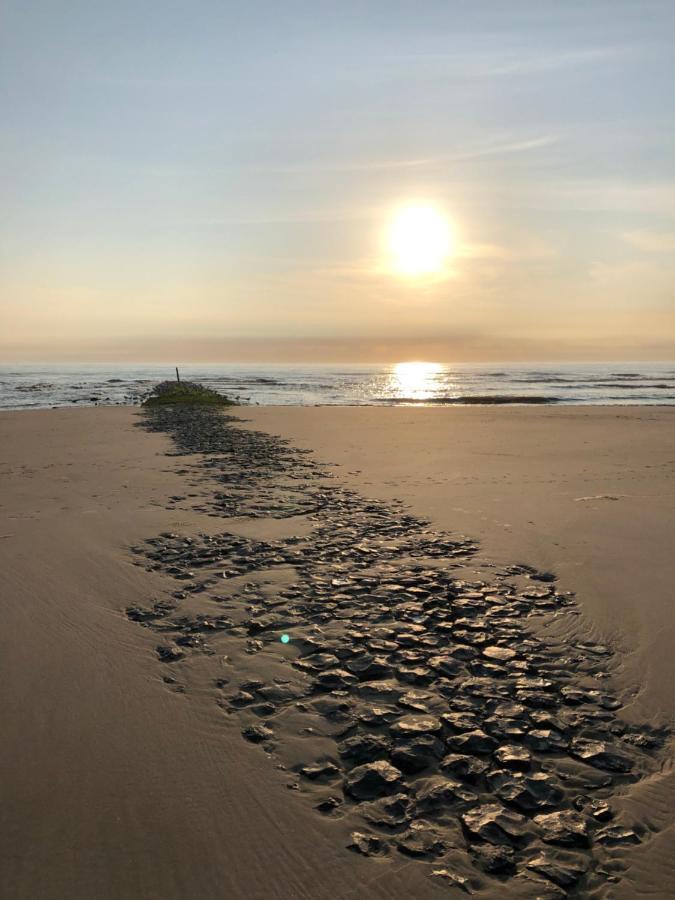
(419, 241)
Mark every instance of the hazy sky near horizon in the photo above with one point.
(212, 180)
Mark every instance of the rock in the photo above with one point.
(459, 722)
(614, 835)
(330, 805)
(473, 742)
(334, 679)
(363, 748)
(169, 654)
(454, 879)
(511, 756)
(376, 716)
(417, 753)
(468, 768)
(373, 780)
(492, 823)
(368, 667)
(494, 860)
(367, 844)
(322, 770)
(527, 793)
(499, 654)
(563, 872)
(600, 755)
(420, 840)
(546, 740)
(567, 828)
(439, 793)
(410, 726)
(389, 812)
(256, 734)
(415, 700)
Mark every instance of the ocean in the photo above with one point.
(46, 386)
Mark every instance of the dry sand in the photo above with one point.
(114, 785)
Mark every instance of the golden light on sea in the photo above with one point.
(415, 380)
(419, 241)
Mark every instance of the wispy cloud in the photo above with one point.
(499, 147)
(651, 241)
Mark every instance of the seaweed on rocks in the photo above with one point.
(457, 727)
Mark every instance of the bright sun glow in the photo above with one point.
(415, 380)
(420, 241)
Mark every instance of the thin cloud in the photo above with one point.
(651, 241)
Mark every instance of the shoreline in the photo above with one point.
(136, 496)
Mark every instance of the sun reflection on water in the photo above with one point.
(415, 380)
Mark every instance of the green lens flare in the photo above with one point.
(285, 638)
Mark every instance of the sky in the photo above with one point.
(214, 180)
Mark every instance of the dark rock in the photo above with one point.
(410, 726)
(256, 734)
(565, 827)
(494, 860)
(330, 805)
(373, 780)
(169, 654)
(439, 793)
(367, 844)
(473, 742)
(563, 872)
(420, 840)
(468, 768)
(417, 753)
(363, 748)
(546, 740)
(492, 823)
(615, 835)
(389, 812)
(600, 755)
(324, 771)
(334, 679)
(511, 756)
(527, 793)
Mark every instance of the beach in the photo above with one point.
(160, 738)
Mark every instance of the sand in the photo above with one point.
(117, 784)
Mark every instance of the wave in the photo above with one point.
(471, 399)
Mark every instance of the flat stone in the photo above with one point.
(363, 748)
(494, 860)
(615, 835)
(419, 841)
(417, 753)
(468, 768)
(512, 756)
(373, 780)
(499, 654)
(563, 872)
(473, 742)
(527, 793)
(492, 823)
(439, 793)
(320, 771)
(600, 755)
(333, 679)
(546, 740)
(565, 827)
(409, 726)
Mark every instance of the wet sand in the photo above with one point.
(119, 781)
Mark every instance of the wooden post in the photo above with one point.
(177, 375)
